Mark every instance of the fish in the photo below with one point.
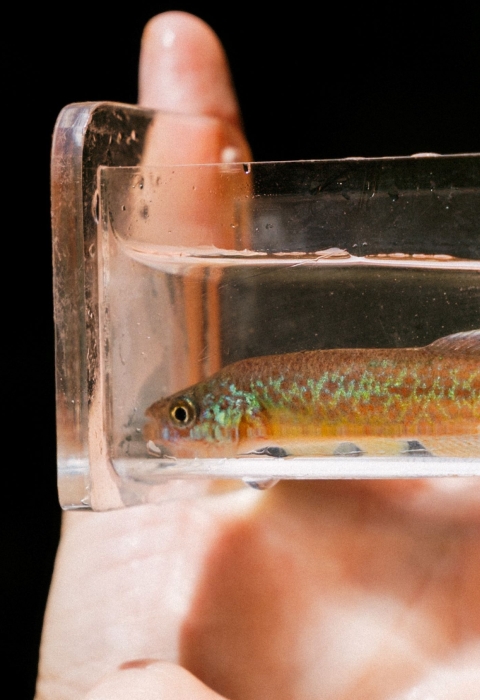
(416, 401)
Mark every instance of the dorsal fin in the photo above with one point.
(467, 343)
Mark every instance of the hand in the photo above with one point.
(334, 590)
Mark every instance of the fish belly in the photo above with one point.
(464, 446)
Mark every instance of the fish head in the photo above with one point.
(169, 429)
(202, 421)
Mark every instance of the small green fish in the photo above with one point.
(330, 402)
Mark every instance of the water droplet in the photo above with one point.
(247, 168)
(394, 195)
(123, 207)
(424, 155)
(96, 207)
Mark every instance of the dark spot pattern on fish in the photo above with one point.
(416, 449)
(348, 449)
(272, 451)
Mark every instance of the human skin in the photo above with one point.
(349, 590)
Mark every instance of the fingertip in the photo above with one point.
(165, 26)
(184, 69)
(149, 679)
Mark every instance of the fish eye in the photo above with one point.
(182, 412)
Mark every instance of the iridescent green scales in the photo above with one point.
(226, 403)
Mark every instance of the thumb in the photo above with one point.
(151, 680)
(184, 72)
(183, 69)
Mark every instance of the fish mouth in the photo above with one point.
(158, 450)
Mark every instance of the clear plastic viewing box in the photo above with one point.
(258, 321)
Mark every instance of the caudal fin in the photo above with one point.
(467, 343)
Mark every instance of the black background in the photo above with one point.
(336, 83)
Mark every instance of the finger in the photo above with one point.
(183, 69)
(184, 74)
(450, 500)
(151, 680)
